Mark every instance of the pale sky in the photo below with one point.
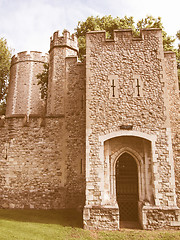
(28, 24)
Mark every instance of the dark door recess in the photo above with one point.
(127, 187)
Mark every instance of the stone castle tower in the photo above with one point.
(107, 142)
(24, 96)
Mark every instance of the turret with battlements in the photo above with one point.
(109, 138)
(60, 48)
(24, 92)
(67, 40)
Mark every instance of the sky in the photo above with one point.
(28, 24)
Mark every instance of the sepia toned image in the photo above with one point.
(90, 130)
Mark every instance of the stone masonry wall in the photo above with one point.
(43, 155)
(60, 159)
(60, 48)
(24, 92)
(127, 59)
(174, 106)
(32, 167)
(66, 95)
(159, 218)
(75, 130)
(56, 81)
(99, 218)
(34, 172)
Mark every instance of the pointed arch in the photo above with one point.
(140, 165)
(127, 187)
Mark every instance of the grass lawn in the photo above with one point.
(65, 225)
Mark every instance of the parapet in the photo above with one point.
(31, 56)
(127, 33)
(31, 121)
(170, 54)
(66, 40)
(23, 91)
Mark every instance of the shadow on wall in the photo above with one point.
(63, 217)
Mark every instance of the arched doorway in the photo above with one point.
(127, 187)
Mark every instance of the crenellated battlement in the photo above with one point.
(29, 56)
(24, 92)
(65, 40)
(126, 33)
(170, 54)
(117, 108)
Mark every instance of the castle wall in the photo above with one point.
(76, 129)
(60, 48)
(126, 57)
(43, 157)
(40, 168)
(32, 165)
(126, 88)
(66, 95)
(173, 99)
(24, 92)
(122, 99)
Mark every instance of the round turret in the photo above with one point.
(24, 92)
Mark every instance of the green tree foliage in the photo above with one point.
(151, 22)
(5, 61)
(108, 23)
(43, 81)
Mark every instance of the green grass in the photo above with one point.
(65, 225)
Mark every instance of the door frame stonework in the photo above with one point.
(109, 194)
(106, 211)
(105, 214)
(132, 133)
(114, 157)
